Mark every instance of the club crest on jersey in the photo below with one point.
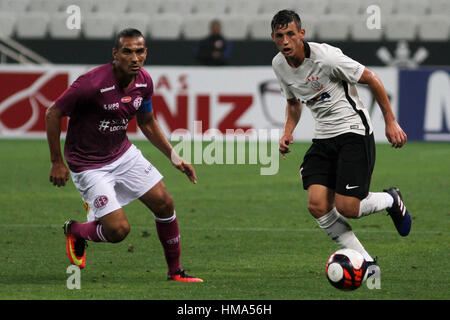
(137, 102)
(125, 99)
(315, 84)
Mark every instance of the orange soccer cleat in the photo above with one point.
(75, 247)
(182, 276)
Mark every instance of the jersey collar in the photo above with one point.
(307, 49)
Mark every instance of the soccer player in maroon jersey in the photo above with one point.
(108, 170)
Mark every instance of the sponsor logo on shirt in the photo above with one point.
(111, 106)
(320, 97)
(140, 85)
(112, 125)
(126, 99)
(107, 89)
(137, 102)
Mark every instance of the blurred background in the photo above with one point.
(408, 40)
(175, 26)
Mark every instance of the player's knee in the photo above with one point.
(317, 208)
(165, 207)
(119, 233)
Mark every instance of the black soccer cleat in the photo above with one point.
(400, 216)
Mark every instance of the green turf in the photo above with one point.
(248, 236)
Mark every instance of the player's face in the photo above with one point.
(130, 56)
(288, 39)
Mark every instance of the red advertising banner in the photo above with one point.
(24, 98)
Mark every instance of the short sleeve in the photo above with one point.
(146, 106)
(73, 96)
(149, 88)
(285, 92)
(342, 67)
(148, 94)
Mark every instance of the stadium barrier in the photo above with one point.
(230, 98)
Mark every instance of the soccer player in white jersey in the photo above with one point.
(337, 168)
(106, 168)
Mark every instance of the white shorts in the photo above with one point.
(113, 186)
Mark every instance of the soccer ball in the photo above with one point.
(345, 269)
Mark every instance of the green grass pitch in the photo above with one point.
(250, 237)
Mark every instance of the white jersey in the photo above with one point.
(325, 82)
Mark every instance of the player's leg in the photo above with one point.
(137, 178)
(320, 200)
(390, 200)
(318, 172)
(321, 206)
(106, 220)
(112, 227)
(353, 199)
(160, 202)
(374, 202)
(353, 207)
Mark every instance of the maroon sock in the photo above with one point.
(92, 231)
(169, 236)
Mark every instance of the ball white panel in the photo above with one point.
(355, 257)
(335, 272)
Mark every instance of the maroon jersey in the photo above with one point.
(99, 110)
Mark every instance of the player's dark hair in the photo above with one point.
(284, 17)
(127, 33)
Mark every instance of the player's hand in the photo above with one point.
(395, 134)
(183, 166)
(188, 170)
(59, 174)
(285, 141)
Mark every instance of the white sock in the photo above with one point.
(341, 233)
(375, 202)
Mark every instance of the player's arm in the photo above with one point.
(153, 132)
(59, 173)
(293, 113)
(394, 133)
